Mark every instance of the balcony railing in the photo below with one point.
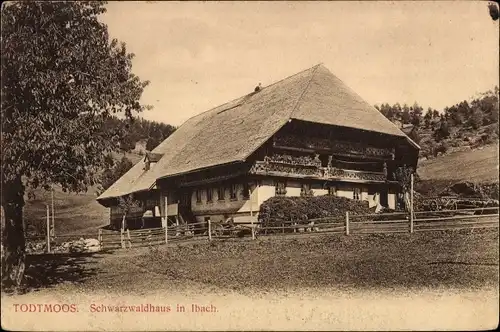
(323, 173)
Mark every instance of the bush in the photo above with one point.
(301, 209)
(471, 189)
(442, 148)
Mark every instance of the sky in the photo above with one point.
(198, 55)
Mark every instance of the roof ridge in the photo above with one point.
(304, 92)
(293, 109)
(241, 97)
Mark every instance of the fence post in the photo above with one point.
(209, 230)
(121, 238)
(347, 223)
(411, 204)
(253, 229)
(129, 239)
(48, 229)
(99, 236)
(53, 222)
(166, 234)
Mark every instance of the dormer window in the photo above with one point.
(150, 159)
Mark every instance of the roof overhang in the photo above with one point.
(200, 169)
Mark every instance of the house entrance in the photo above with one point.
(384, 200)
(185, 201)
(185, 213)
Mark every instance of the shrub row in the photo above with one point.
(301, 209)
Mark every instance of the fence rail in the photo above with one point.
(352, 224)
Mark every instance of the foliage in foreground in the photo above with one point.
(62, 78)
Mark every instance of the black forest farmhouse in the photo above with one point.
(308, 134)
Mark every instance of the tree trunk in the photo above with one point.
(407, 200)
(13, 241)
(124, 221)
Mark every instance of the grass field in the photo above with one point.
(426, 281)
(476, 166)
(461, 259)
(74, 213)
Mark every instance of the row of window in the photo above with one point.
(280, 190)
(221, 193)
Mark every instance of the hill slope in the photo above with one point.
(479, 165)
(74, 213)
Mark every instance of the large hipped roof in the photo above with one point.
(233, 131)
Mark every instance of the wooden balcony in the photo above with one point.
(315, 172)
(341, 148)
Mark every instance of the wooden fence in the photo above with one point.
(351, 224)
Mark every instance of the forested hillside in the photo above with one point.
(130, 132)
(466, 125)
(130, 136)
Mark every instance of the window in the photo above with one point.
(198, 196)
(209, 194)
(357, 194)
(246, 191)
(280, 189)
(220, 193)
(232, 192)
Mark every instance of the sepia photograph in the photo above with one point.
(249, 165)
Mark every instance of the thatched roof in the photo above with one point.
(233, 131)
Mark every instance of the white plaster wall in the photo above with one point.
(320, 192)
(345, 193)
(292, 191)
(293, 188)
(391, 200)
(265, 192)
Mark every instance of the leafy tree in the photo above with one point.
(126, 204)
(405, 115)
(428, 118)
(109, 161)
(402, 175)
(476, 119)
(396, 108)
(388, 111)
(443, 131)
(127, 143)
(62, 77)
(152, 143)
(414, 135)
(456, 117)
(416, 114)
